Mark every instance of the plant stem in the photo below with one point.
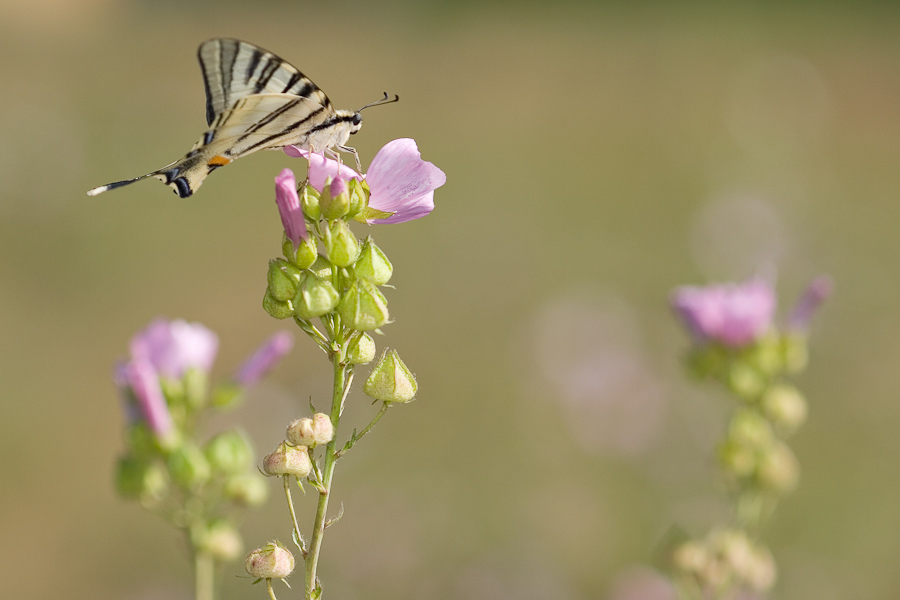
(298, 537)
(270, 589)
(204, 575)
(337, 399)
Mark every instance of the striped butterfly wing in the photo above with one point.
(254, 101)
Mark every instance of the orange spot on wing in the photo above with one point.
(218, 161)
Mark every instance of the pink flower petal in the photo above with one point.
(289, 207)
(144, 383)
(173, 347)
(734, 315)
(321, 168)
(264, 359)
(402, 183)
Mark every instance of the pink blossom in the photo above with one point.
(141, 377)
(264, 359)
(399, 181)
(734, 315)
(173, 347)
(816, 293)
(289, 207)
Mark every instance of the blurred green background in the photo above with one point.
(597, 155)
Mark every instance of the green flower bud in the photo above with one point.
(363, 307)
(373, 264)
(391, 380)
(229, 452)
(277, 308)
(309, 201)
(706, 361)
(272, 561)
(341, 246)
(283, 278)
(785, 407)
(288, 460)
(745, 381)
(140, 479)
(778, 470)
(227, 396)
(358, 197)
(189, 467)
(219, 539)
(737, 459)
(691, 557)
(315, 297)
(310, 432)
(363, 352)
(749, 428)
(322, 268)
(248, 489)
(796, 353)
(307, 253)
(334, 199)
(195, 386)
(767, 355)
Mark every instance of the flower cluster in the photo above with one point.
(738, 343)
(165, 388)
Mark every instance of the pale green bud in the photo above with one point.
(373, 264)
(315, 297)
(691, 557)
(195, 384)
(248, 489)
(189, 467)
(341, 246)
(283, 278)
(227, 395)
(288, 460)
(746, 381)
(322, 268)
(229, 452)
(738, 459)
(277, 308)
(219, 539)
(785, 407)
(309, 200)
(767, 355)
(307, 252)
(391, 380)
(272, 561)
(778, 470)
(796, 352)
(363, 352)
(136, 478)
(363, 307)
(310, 432)
(334, 200)
(358, 197)
(749, 428)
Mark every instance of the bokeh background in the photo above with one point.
(598, 154)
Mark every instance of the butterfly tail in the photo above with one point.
(184, 176)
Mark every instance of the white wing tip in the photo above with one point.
(97, 190)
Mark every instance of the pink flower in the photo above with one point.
(734, 315)
(264, 359)
(141, 378)
(816, 293)
(173, 347)
(289, 207)
(399, 180)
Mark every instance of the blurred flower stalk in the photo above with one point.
(198, 485)
(328, 282)
(738, 344)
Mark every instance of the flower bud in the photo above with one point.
(363, 307)
(334, 201)
(778, 470)
(391, 380)
(219, 539)
(363, 352)
(189, 467)
(310, 432)
(785, 407)
(277, 308)
(745, 381)
(136, 478)
(373, 264)
(315, 297)
(322, 268)
(248, 489)
(796, 352)
(272, 561)
(288, 460)
(341, 246)
(358, 197)
(749, 428)
(306, 253)
(737, 459)
(227, 395)
(691, 557)
(309, 200)
(229, 452)
(283, 278)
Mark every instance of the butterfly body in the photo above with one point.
(254, 101)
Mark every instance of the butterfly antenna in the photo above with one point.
(386, 100)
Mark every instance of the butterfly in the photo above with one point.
(254, 101)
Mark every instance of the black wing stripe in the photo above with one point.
(271, 66)
(251, 67)
(272, 116)
(269, 139)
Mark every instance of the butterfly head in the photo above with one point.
(355, 123)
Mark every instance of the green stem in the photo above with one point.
(298, 537)
(270, 589)
(358, 436)
(204, 575)
(341, 383)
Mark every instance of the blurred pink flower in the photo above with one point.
(816, 293)
(264, 359)
(289, 207)
(173, 347)
(140, 376)
(400, 182)
(734, 315)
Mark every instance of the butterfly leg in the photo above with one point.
(355, 155)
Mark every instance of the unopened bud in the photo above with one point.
(373, 264)
(363, 352)
(277, 308)
(140, 479)
(248, 489)
(288, 460)
(391, 380)
(315, 297)
(310, 431)
(322, 268)
(189, 467)
(778, 470)
(283, 278)
(229, 452)
(690, 557)
(334, 200)
(746, 381)
(306, 253)
(749, 428)
(363, 307)
(272, 561)
(785, 406)
(219, 539)
(358, 197)
(309, 200)
(341, 246)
